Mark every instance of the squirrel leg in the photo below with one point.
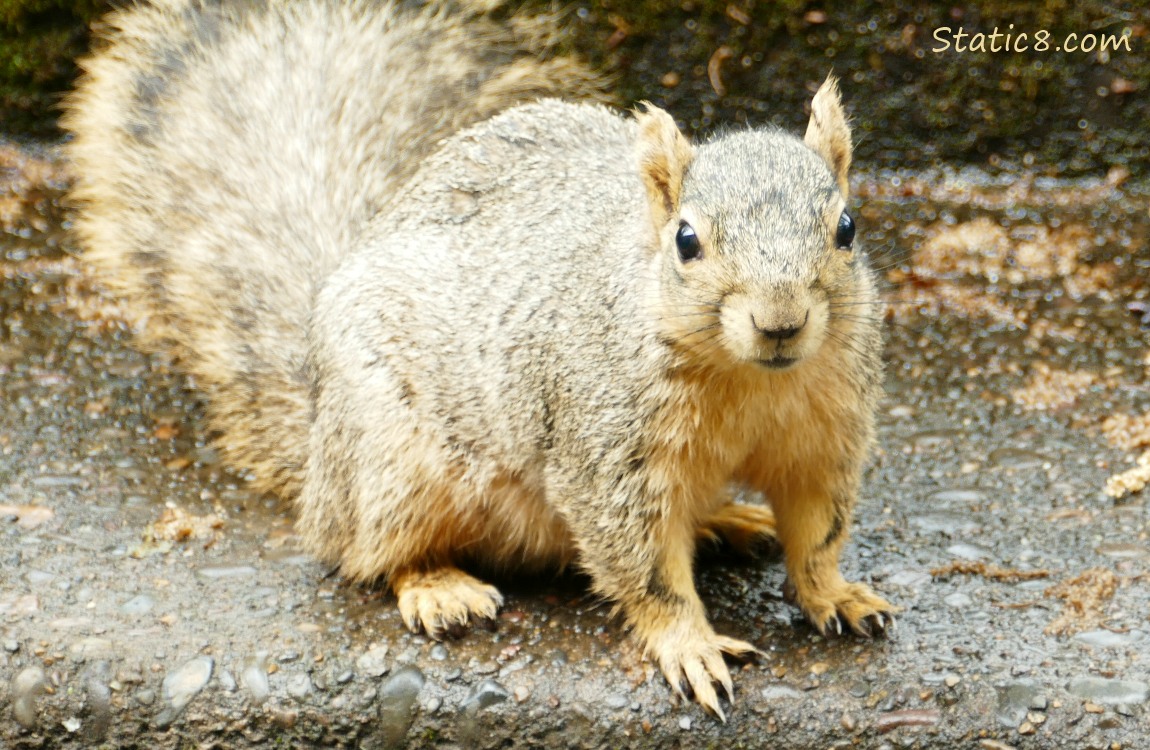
(813, 522)
(443, 601)
(646, 566)
(744, 527)
(670, 620)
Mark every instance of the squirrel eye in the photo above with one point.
(688, 243)
(845, 236)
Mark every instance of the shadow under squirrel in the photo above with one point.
(461, 339)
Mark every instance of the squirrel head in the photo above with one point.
(755, 244)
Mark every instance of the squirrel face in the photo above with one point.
(765, 211)
(755, 242)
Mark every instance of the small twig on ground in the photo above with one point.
(992, 572)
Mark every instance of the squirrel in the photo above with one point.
(466, 326)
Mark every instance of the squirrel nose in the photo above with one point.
(781, 333)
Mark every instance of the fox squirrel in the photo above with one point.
(459, 339)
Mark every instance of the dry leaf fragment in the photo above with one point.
(177, 525)
(715, 68)
(1131, 480)
(1084, 599)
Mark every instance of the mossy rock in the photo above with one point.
(39, 39)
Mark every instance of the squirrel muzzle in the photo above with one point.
(776, 328)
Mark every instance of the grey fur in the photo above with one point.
(227, 153)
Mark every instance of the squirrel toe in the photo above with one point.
(851, 606)
(443, 602)
(693, 663)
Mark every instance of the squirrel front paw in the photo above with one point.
(854, 604)
(443, 601)
(691, 657)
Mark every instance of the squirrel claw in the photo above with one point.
(878, 623)
(851, 606)
(748, 529)
(443, 602)
(693, 664)
(831, 627)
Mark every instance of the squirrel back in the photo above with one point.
(227, 155)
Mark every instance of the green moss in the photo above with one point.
(39, 39)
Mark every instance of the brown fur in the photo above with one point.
(663, 158)
(828, 132)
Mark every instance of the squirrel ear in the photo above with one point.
(663, 155)
(828, 133)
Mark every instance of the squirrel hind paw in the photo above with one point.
(444, 601)
(747, 529)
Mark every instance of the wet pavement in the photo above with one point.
(149, 599)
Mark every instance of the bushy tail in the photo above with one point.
(227, 153)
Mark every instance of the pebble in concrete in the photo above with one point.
(1111, 692)
(1015, 698)
(1016, 458)
(372, 662)
(484, 695)
(254, 677)
(299, 686)
(27, 687)
(397, 697)
(98, 697)
(951, 524)
(1109, 639)
(138, 605)
(780, 692)
(91, 649)
(181, 686)
(221, 572)
(968, 551)
(616, 701)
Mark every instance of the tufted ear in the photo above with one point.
(828, 133)
(663, 155)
